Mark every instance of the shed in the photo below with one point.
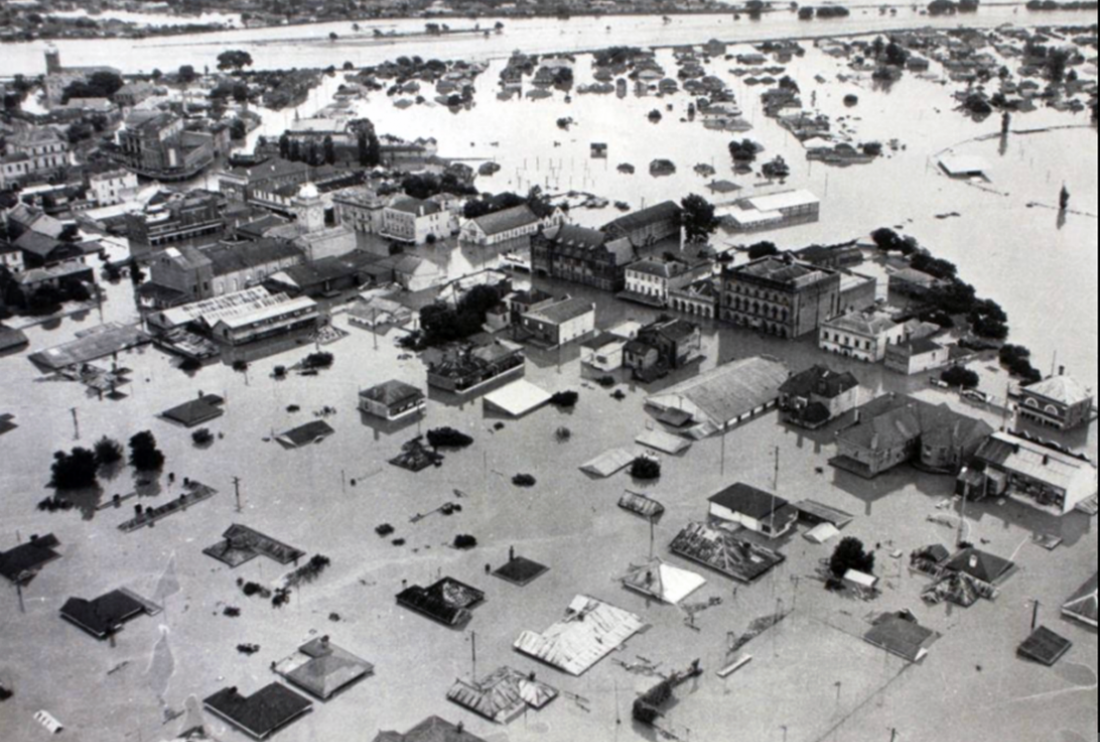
(644, 506)
(1044, 647)
(518, 399)
(822, 534)
(609, 463)
(664, 442)
(860, 580)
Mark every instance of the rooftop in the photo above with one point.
(1082, 605)
(1038, 462)
(323, 669)
(507, 220)
(866, 324)
(783, 270)
(104, 615)
(820, 381)
(980, 565)
(749, 501)
(644, 218)
(261, 714)
(1063, 390)
(432, 729)
(245, 256)
(392, 393)
(783, 200)
(564, 311)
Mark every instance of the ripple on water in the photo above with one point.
(1067, 736)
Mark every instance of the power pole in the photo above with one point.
(1035, 615)
(76, 424)
(652, 537)
(473, 643)
(962, 515)
(237, 487)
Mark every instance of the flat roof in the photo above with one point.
(783, 200)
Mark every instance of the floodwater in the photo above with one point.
(811, 680)
(282, 47)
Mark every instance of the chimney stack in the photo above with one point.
(1061, 370)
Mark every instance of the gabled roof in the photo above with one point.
(820, 381)
(564, 311)
(918, 347)
(866, 324)
(749, 501)
(590, 631)
(574, 236)
(664, 582)
(897, 420)
(981, 566)
(506, 220)
(503, 695)
(728, 391)
(28, 557)
(644, 218)
(1082, 605)
(104, 615)
(392, 393)
(261, 714)
(229, 259)
(1061, 389)
(432, 729)
(1039, 462)
(38, 244)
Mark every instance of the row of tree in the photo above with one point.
(79, 469)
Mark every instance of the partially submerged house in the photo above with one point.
(432, 729)
(466, 368)
(725, 397)
(755, 510)
(197, 411)
(644, 506)
(26, 560)
(104, 616)
(448, 601)
(323, 669)
(902, 635)
(590, 631)
(725, 553)
(897, 429)
(1045, 647)
(969, 575)
(392, 400)
(502, 696)
(1048, 477)
(263, 713)
(1059, 402)
(1082, 606)
(241, 544)
(661, 581)
(817, 396)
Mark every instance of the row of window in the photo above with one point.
(776, 297)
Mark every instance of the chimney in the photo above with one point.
(1061, 370)
(1046, 460)
(973, 561)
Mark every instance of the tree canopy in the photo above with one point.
(234, 59)
(698, 218)
(98, 85)
(850, 554)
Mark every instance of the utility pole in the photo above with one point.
(724, 427)
(76, 424)
(1035, 615)
(962, 516)
(473, 643)
(652, 537)
(237, 487)
(893, 735)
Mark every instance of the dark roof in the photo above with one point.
(574, 236)
(37, 244)
(900, 634)
(196, 411)
(896, 420)
(1044, 647)
(920, 346)
(235, 258)
(313, 432)
(261, 714)
(644, 218)
(980, 565)
(521, 571)
(392, 393)
(104, 615)
(432, 729)
(10, 338)
(321, 271)
(273, 168)
(447, 601)
(819, 381)
(28, 557)
(749, 501)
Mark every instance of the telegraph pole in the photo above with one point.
(76, 424)
(237, 487)
(473, 643)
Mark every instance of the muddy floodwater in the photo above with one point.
(812, 679)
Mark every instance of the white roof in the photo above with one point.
(963, 164)
(823, 533)
(214, 309)
(861, 579)
(271, 311)
(610, 462)
(783, 200)
(1062, 389)
(662, 581)
(518, 398)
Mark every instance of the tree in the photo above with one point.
(240, 93)
(762, 250)
(646, 469)
(237, 130)
(849, 555)
(74, 471)
(333, 36)
(959, 376)
(97, 85)
(284, 146)
(108, 451)
(744, 152)
(187, 74)
(329, 148)
(144, 454)
(234, 59)
(698, 218)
